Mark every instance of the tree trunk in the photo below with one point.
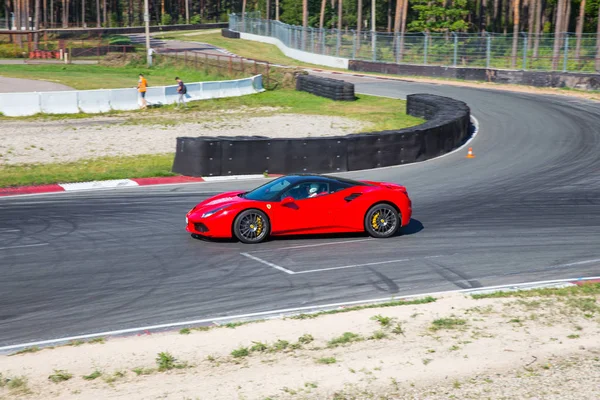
(104, 12)
(98, 22)
(305, 13)
(373, 24)
(579, 29)
(403, 26)
(538, 28)
(340, 6)
(83, 14)
(531, 27)
(359, 20)
(45, 14)
(389, 16)
(322, 16)
(64, 14)
(397, 21)
(598, 42)
(516, 9)
(36, 20)
(268, 10)
(277, 10)
(557, 33)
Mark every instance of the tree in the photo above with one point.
(579, 29)
(516, 7)
(560, 11)
(359, 21)
(598, 42)
(322, 16)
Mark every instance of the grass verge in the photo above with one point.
(584, 289)
(84, 77)
(88, 170)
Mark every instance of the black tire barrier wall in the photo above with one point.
(446, 128)
(230, 34)
(100, 51)
(325, 87)
(531, 78)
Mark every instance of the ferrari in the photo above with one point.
(303, 204)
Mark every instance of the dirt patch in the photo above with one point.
(455, 347)
(26, 142)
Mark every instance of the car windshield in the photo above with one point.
(270, 191)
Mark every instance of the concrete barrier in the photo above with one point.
(104, 100)
(304, 56)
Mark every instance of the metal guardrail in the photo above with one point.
(487, 50)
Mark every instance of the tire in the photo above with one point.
(251, 226)
(382, 221)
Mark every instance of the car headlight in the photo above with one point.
(211, 212)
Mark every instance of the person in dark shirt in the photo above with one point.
(182, 90)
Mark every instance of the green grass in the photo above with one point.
(585, 289)
(380, 113)
(327, 360)
(92, 376)
(240, 352)
(447, 323)
(243, 48)
(347, 337)
(33, 349)
(395, 303)
(60, 376)
(85, 77)
(87, 170)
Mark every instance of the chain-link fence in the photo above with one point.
(486, 50)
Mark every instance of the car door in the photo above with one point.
(300, 211)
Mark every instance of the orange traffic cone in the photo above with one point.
(470, 153)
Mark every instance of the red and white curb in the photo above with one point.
(123, 183)
(281, 313)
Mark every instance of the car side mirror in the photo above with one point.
(287, 200)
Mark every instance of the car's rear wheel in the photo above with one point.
(382, 221)
(251, 226)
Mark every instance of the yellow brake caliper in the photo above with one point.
(259, 225)
(374, 223)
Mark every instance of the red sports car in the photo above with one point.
(303, 204)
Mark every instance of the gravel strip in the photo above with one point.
(25, 142)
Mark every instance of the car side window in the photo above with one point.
(306, 190)
(337, 186)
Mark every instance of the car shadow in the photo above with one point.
(414, 226)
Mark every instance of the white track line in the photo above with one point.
(25, 245)
(260, 260)
(597, 260)
(310, 245)
(282, 311)
(353, 266)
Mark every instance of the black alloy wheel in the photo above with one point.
(251, 226)
(382, 221)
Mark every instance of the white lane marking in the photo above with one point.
(260, 260)
(310, 245)
(353, 266)
(9, 230)
(108, 184)
(25, 245)
(597, 260)
(282, 311)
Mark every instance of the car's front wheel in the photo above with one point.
(251, 226)
(382, 221)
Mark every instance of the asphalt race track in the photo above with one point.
(527, 208)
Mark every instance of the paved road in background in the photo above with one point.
(15, 85)
(527, 208)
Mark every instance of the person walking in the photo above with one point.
(182, 90)
(142, 86)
